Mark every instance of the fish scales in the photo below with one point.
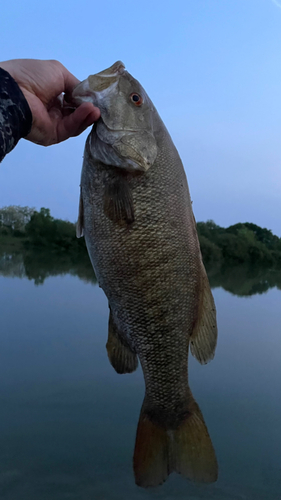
(151, 271)
(147, 268)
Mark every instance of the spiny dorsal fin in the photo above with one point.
(80, 222)
(203, 340)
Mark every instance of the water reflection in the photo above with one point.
(37, 265)
(68, 421)
(244, 280)
(186, 447)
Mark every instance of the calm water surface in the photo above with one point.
(68, 421)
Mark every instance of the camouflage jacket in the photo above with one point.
(15, 114)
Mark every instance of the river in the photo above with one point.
(68, 421)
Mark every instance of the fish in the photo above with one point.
(136, 215)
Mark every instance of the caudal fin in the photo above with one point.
(187, 450)
(192, 450)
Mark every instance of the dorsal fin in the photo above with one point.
(80, 222)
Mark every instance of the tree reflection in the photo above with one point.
(11, 264)
(241, 280)
(244, 280)
(39, 265)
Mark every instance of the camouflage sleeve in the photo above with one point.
(15, 114)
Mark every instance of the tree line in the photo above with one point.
(239, 243)
(39, 229)
(242, 243)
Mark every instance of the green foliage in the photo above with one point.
(44, 231)
(210, 230)
(41, 231)
(211, 253)
(48, 247)
(11, 239)
(260, 234)
(15, 217)
(18, 233)
(240, 243)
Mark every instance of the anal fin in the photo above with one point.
(203, 339)
(120, 355)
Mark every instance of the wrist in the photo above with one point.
(18, 108)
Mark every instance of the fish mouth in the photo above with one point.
(98, 85)
(107, 78)
(116, 69)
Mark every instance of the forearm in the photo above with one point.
(15, 114)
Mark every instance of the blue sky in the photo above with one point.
(211, 67)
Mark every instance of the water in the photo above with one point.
(68, 421)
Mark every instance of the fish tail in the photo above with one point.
(187, 450)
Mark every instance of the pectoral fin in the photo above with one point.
(118, 201)
(120, 355)
(204, 336)
(80, 222)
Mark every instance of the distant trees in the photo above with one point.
(15, 217)
(240, 243)
(38, 229)
(43, 230)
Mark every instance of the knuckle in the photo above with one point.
(56, 63)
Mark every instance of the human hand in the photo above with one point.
(43, 84)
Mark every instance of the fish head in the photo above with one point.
(126, 122)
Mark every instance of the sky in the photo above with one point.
(211, 67)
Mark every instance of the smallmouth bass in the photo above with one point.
(136, 215)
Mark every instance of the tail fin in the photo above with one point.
(187, 450)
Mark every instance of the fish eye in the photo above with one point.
(136, 99)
